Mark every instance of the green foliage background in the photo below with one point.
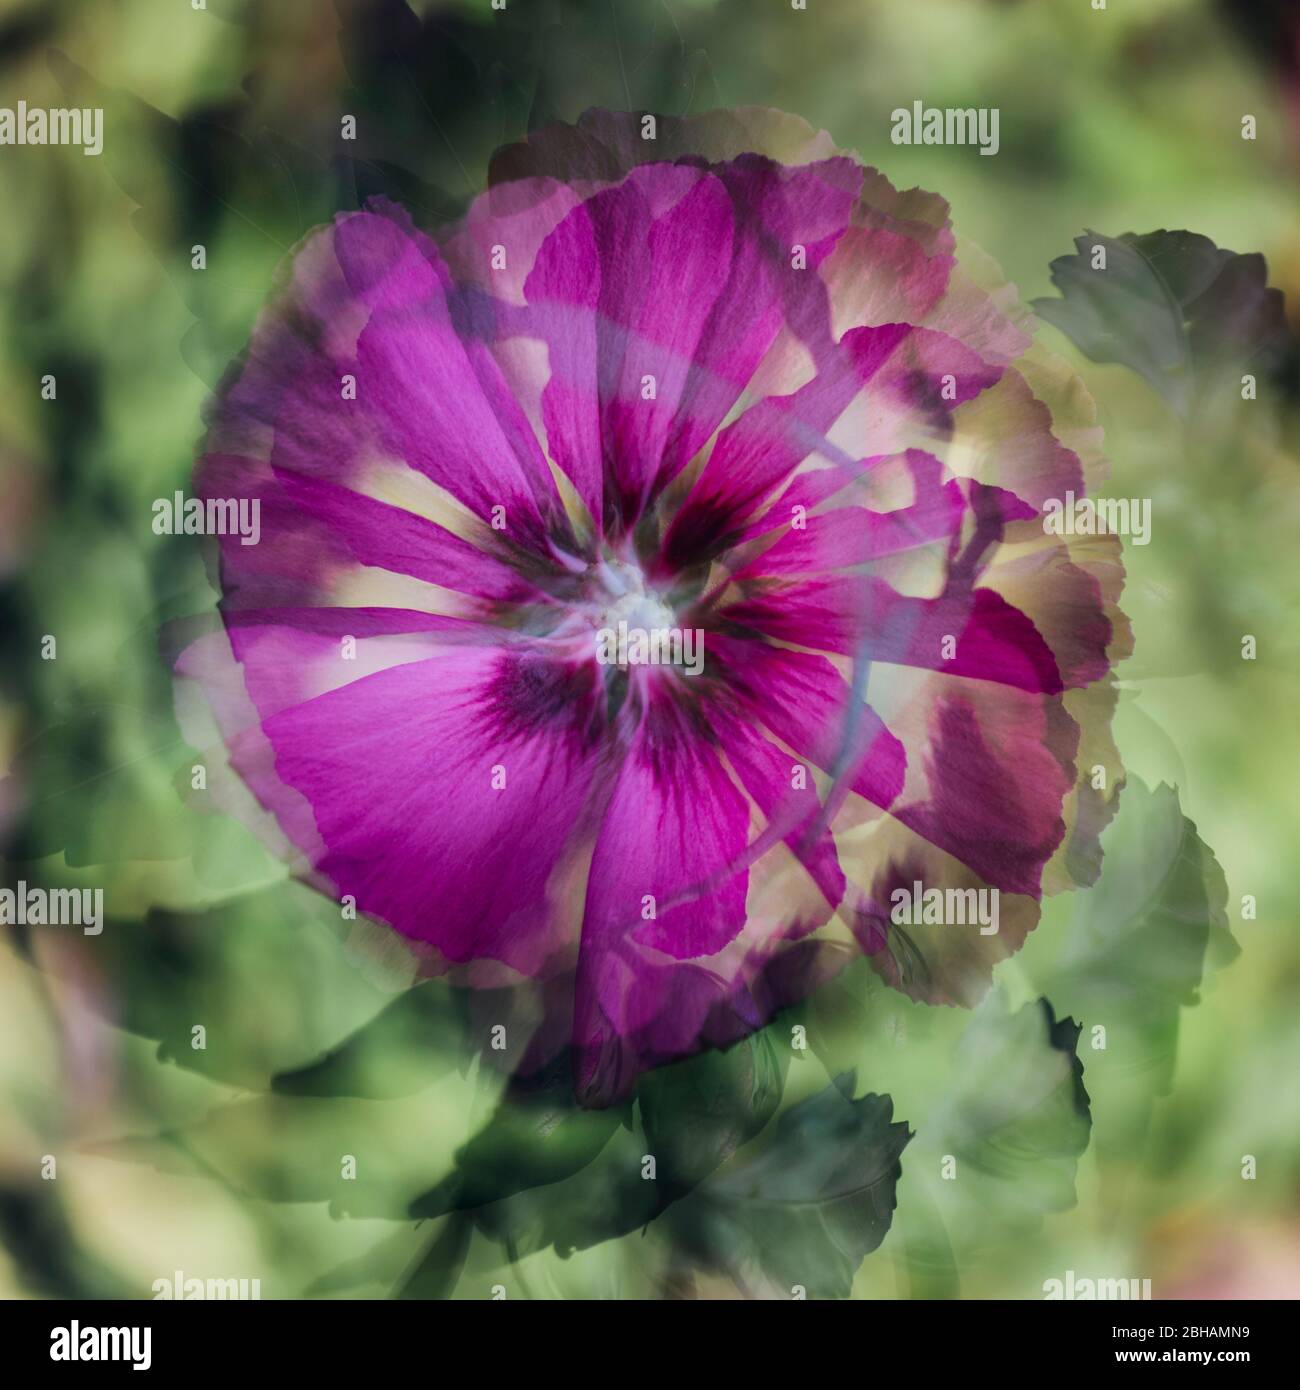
(223, 128)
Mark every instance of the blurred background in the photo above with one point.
(222, 129)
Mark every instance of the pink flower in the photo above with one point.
(725, 384)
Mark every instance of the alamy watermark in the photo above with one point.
(1075, 1288)
(945, 907)
(951, 125)
(53, 907)
(1098, 516)
(179, 515)
(38, 125)
(651, 646)
(78, 1343)
(178, 1287)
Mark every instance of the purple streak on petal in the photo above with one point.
(866, 619)
(849, 537)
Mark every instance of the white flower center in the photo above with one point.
(627, 600)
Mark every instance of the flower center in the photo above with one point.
(624, 598)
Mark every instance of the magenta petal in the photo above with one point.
(759, 450)
(442, 803)
(1002, 770)
(441, 404)
(777, 211)
(621, 291)
(675, 830)
(675, 281)
(804, 701)
(797, 815)
(881, 389)
(667, 883)
(868, 620)
(369, 532)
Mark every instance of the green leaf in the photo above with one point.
(385, 1263)
(401, 1049)
(1171, 306)
(1136, 951)
(365, 1158)
(537, 1136)
(262, 975)
(1017, 1118)
(606, 1198)
(548, 1174)
(697, 1113)
(808, 1206)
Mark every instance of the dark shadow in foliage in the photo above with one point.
(48, 1258)
(81, 800)
(435, 1274)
